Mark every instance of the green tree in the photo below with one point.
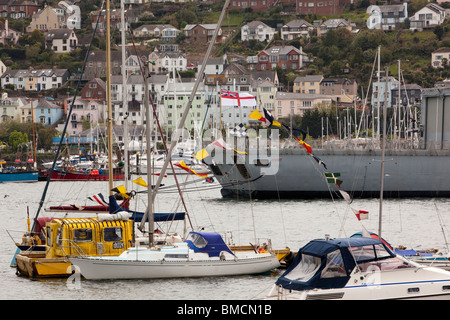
(16, 138)
(439, 32)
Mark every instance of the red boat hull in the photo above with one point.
(84, 176)
(125, 204)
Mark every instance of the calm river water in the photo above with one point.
(414, 223)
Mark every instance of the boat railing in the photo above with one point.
(20, 237)
(71, 245)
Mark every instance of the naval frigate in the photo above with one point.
(413, 168)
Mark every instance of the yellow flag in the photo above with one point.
(257, 116)
(122, 190)
(139, 181)
(202, 154)
(240, 152)
(276, 123)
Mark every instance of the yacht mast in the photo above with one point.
(124, 93)
(108, 97)
(383, 147)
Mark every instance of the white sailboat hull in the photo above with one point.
(97, 269)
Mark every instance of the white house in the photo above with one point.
(298, 28)
(61, 40)
(386, 17)
(257, 30)
(440, 55)
(171, 61)
(215, 65)
(428, 17)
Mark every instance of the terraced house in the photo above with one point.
(34, 80)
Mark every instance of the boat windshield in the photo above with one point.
(306, 268)
(385, 265)
(197, 240)
(335, 266)
(369, 252)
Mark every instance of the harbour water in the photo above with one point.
(414, 223)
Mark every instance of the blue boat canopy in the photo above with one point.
(327, 264)
(207, 242)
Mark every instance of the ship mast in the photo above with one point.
(108, 97)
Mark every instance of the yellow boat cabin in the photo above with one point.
(75, 236)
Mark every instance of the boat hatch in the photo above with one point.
(206, 242)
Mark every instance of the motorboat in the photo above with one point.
(357, 268)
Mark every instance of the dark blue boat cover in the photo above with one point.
(114, 207)
(207, 242)
(340, 256)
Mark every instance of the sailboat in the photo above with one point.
(358, 268)
(201, 254)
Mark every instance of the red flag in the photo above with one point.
(361, 214)
(183, 166)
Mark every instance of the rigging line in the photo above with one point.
(367, 95)
(251, 209)
(41, 202)
(159, 125)
(321, 172)
(205, 208)
(160, 131)
(442, 225)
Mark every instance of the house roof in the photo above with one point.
(235, 69)
(309, 78)
(339, 80)
(291, 95)
(334, 23)
(154, 26)
(440, 50)
(298, 23)
(392, 8)
(255, 24)
(205, 26)
(270, 75)
(59, 34)
(277, 50)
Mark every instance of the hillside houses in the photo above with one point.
(386, 17)
(201, 32)
(170, 91)
(298, 28)
(34, 80)
(61, 40)
(164, 32)
(18, 9)
(428, 17)
(257, 30)
(285, 57)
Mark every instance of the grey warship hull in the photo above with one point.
(408, 173)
